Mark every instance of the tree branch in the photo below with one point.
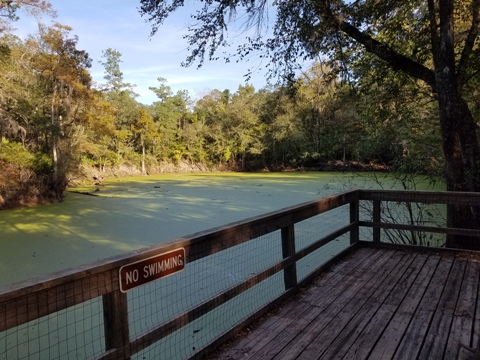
(387, 54)
(469, 43)
(434, 36)
(394, 59)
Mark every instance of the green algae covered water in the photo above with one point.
(130, 213)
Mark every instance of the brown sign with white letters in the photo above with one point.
(153, 268)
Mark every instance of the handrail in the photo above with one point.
(425, 197)
(32, 299)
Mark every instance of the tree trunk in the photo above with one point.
(459, 137)
(462, 160)
(143, 157)
(54, 143)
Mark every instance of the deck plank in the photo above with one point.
(377, 303)
(316, 307)
(475, 342)
(279, 326)
(392, 335)
(411, 343)
(330, 322)
(368, 336)
(437, 335)
(349, 331)
(461, 334)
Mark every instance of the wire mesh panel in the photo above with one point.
(191, 338)
(315, 228)
(406, 213)
(366, 214)
(413, 213)
(158, 302)
(73, 333)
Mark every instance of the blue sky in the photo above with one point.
(116, 24)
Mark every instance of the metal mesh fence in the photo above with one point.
(406, 213)
(160, 301)
(193, 337)
(72, 333)
(315, 228)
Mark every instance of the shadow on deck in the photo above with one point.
(376, 303)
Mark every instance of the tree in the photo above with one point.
(242, 126)
(15, 82)
(286, 138)
(65, 80)
(10, 8)
(329, 115)
(171, 114)
(210, 111)
(433, 41)
(144, 129)
(119, 93)
(113, 74)
(98, 145)
(401, 123)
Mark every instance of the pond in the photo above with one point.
(130, 213)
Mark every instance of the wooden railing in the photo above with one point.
(423, 197)
(30, 300)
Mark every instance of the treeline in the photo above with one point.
(54, 120)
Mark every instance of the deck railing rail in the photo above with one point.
(378, 197)
(23, 305)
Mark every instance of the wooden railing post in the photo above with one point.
(288, 250)
(376, 221)
(115, 314)
(354, 218)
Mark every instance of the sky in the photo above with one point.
(116, 24)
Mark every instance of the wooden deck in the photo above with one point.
(377, 303)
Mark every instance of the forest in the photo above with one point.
(55, 122)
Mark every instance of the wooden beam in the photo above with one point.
(115, 315)
(288, 251)
(354, 219)
(376, 220)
